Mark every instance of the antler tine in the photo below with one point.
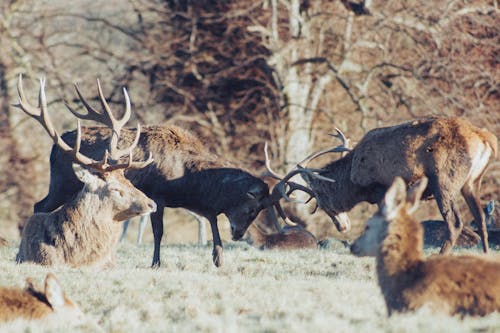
(92, 114)
(341, 136)
(41, 115)
(337, 149)
(116, 153)
(131, 164)
(270, 171)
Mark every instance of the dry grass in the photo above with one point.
(256, 291)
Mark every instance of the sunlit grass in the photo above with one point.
(255, 291)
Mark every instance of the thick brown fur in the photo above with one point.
(32, 303)
(452, 153)
(465, 285)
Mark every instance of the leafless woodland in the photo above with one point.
(239, 73)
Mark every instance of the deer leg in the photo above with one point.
(157, 224)
(142, 225)
(124, 230)
(475, 208)
(451, 217)
(217, 251)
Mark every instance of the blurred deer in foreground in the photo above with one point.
(467, 285)
(50, 303)
(452, 153)
(85, 230)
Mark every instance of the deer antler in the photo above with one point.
(344, 147)
(41, 115)
(108, 119)
(280, 191)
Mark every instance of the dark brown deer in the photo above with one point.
(184, 174)
(465, 285)
(452, 153)
(85, 230)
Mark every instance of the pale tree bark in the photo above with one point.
(302, 84)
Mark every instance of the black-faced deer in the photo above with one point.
(49, 303)
(467, 285)
(85, 230)
(184, 174)
(452, 153)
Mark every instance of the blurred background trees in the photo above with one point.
(240, 73)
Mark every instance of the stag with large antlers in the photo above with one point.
(184, 174)
(452, 153)
(85, 230)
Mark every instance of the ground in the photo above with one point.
(326, 290)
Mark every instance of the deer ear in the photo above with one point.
(54, 293)
(415, 193)
(394, 199)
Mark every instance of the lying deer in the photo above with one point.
(266, 233)
(451, 284)
(287, 239)
(86, 229)
(185, 174)
(452, 153)
(50, 303)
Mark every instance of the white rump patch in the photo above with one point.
(479, 162)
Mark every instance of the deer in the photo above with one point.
(454, 285)
(266, 233)
(184, 174)
(451, 152)
(32, 303)
(85, 230)
(288, 238)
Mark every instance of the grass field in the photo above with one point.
(256, 291)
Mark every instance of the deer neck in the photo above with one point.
(89, 230)
(343, 194)
(400, 255)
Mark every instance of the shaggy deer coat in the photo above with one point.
(452, 153)
(85, 230)
(466, 285)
